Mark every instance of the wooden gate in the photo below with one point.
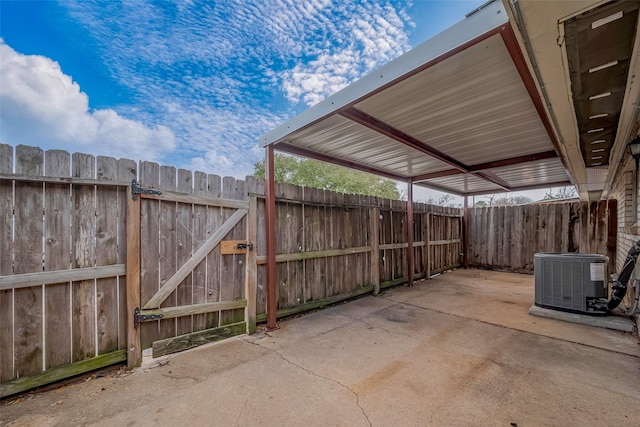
(195, 260)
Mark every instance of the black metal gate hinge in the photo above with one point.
(138, 317)
(137, 189)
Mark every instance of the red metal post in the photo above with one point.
(465, 231)
(410, 232)
(270, 200)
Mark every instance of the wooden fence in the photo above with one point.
(62, 254)
(507, 237)
(68, 285)
(332, 246)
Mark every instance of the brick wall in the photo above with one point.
(627, 233)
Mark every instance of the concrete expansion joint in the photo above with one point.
(315, 374)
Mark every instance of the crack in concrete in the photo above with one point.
(180, 377)
(315, 374)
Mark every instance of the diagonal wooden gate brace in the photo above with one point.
(175, 280)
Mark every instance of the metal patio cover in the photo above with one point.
(459, 113)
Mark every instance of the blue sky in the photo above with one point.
(186, 83)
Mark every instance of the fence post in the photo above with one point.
(410, 232)
(427, 244)
(134, 350)
(270, 214)
(251, 277)
(374, 222)
(465, 233)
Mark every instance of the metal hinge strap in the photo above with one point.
(137, 189)
(138, 317)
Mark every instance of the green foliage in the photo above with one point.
(316, 174)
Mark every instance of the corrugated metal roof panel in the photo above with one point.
(532, 173)
(463, 183)
(472, 106)
(351, 141)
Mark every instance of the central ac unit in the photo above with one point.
(570, 281)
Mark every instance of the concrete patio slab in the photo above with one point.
(457, 350)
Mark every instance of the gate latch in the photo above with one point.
(245, 246)
(139, 317)
(137, 189)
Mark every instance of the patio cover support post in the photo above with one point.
(465, 232)
(270, 210)
(410, 232)
(374, 216)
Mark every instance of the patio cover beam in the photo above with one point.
(524, 188)
(303, 152)
(489, 165)
(410, 233)
(387, 130)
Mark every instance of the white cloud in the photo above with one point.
(220, 141)
(369, 36)
(316, 47)
(42, 106)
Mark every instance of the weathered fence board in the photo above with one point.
(28, 311)
(508, 237)
(150, 257)
(214, 221)
(6, 265)
(57, 220)
(184, 245)
(199, 236)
